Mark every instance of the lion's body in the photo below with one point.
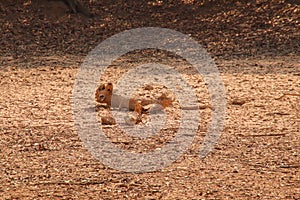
(104, 94)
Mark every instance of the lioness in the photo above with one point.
(104, 94)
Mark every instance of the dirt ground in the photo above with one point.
(255, 45)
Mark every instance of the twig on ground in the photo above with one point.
(288, 94)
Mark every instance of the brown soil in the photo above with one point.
(256, 47)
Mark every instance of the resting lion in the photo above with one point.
(104, 95)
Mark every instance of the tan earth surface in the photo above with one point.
(255, 45)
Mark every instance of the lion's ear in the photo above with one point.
(101, 87)
(109, 87)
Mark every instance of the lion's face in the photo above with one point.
(104, 93)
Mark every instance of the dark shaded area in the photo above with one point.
(76, 7)
(226, 28)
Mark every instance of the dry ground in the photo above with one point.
(257, 156)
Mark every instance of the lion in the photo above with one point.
(104, 94)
